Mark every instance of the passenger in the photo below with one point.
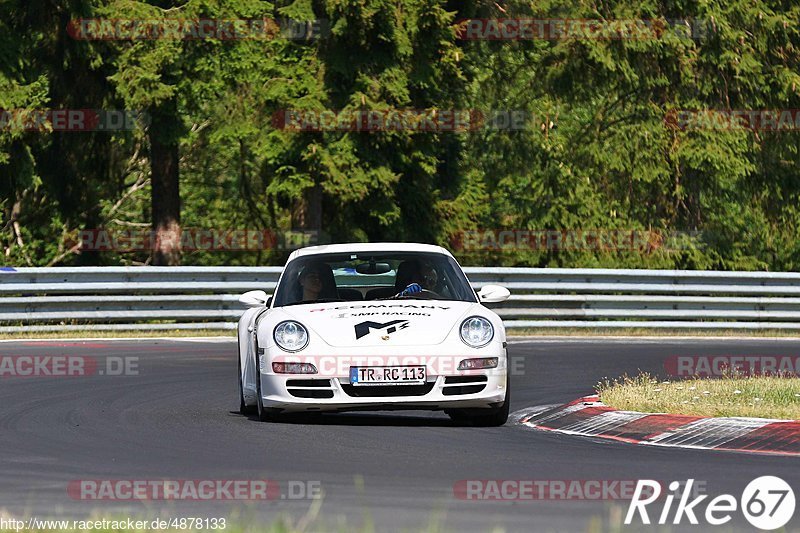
(407, 273)
(316, 283)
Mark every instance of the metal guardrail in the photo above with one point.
(130, 298)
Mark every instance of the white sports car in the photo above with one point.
(374, 327)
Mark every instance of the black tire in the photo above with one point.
(243, 407)
(496, 416)
(264, 415)
(459, 416)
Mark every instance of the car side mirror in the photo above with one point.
(493, 294)
(255, 299)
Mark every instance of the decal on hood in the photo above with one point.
(364, 327)
(383, 313)
(379, 306)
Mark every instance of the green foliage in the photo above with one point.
(598, 151)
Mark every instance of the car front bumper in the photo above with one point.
(310, 393)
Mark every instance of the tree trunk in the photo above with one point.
(307, 211)
(165, 197)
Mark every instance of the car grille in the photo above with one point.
(457, 385)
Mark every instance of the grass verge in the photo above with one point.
(757, 396)
(650, 332)
(118, 334)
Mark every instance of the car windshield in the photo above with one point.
(372, 276)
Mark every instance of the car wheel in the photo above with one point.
(264, 415)
(496, 416)
(243, 407)
(459, 416)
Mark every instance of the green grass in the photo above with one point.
(650, 332)
(760, 396)
(117, 334)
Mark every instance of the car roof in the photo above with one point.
(360, 247)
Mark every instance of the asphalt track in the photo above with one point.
(177, 419)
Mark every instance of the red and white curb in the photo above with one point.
(589, 417)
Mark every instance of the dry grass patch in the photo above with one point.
(760, 396)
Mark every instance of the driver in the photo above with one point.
(430, 278)
(427, 279)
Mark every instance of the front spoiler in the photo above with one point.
(278, 399)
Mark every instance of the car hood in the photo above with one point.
(383, 323)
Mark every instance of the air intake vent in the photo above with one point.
(309, 388)
(375, 391)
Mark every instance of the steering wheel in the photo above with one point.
(425, 294)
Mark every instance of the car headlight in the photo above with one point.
(291, 336)
(476, 331)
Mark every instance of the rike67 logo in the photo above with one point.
(767, 503)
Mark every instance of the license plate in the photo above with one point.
(387, 375)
